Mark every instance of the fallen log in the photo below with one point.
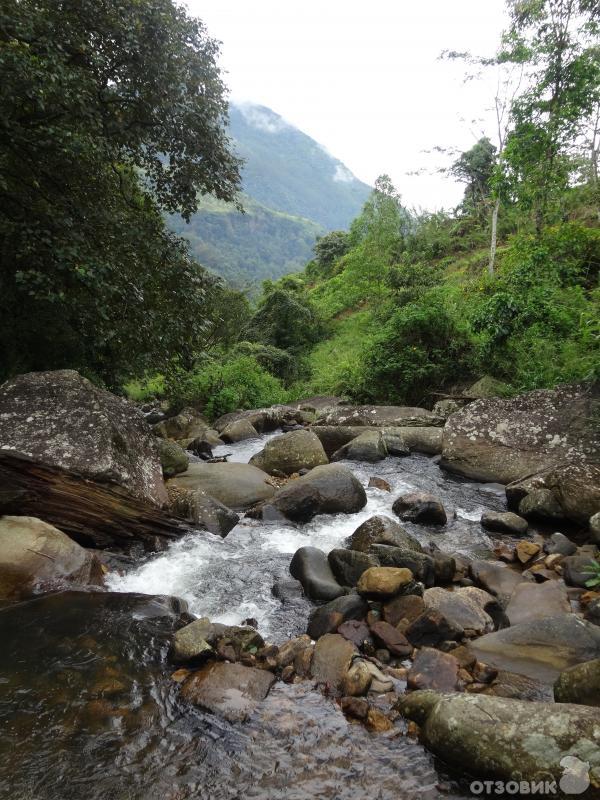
(93, 514)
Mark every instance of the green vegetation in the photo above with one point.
(594, 571)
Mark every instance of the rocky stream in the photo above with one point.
(320, 601)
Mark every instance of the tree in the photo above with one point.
(383, 223)
(475, 168)
(557, 39)
(112, 113)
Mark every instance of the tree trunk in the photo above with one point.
(494, 236)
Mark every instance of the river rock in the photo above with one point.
(542, 505)
(389, 637)
(370, 446)
(487, 603)
(379, 483)
(559, 544)
(382, 530)
(444, 567)
(461, 610)
(173, 458)
(329, 617)
(421, 565)
(395, 443)
(595, 528)
(263, 420)
(526, 551)
(349, 565)
(199, 640)
(379, 416)
(238, 486)
(432, 629)
(232, 691)
(383, 582)
(35, 556)
(575, 570)
(495, 578)
(403, 608)
(592, 612)
(238, 431)
(427, 440)
(330, 489)
(533, 601)
(185, 426)
(60, 419)
(420, 507)
(508, 740)
(331, 661)
(540, 649)
(204, 511)
(287, 590)
(290, 453)
(311, 567)
(518, 687)
(486, 387)
(356, 631)
(504, 440)
(504, 522)
(447, 406)
(432, 669)
(579, 684)
(290, 649)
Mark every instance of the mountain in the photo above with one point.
(294, 191)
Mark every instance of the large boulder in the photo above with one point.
(262, 419)
(173, 458)
(550, 433)
(382, 530)
(311, 567)
(184, 427)
(421, 507)
(461, 610)
(238, 486)
(369, 446)
(290, 453)
(239, 431)
(60, 419)
(380, 416)
(203, 511)
(570, 490)
(398, 439)
(422, 439)
(579, 684)
(542, 648)
(330, 489)
(504, 522)
(35, 556)
(532, 601)
(510, 740)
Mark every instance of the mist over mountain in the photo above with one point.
(294, 191)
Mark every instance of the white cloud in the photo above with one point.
(342, 174)
(262, 118)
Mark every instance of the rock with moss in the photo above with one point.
(579, 684)
(290, 452)
(173, 458)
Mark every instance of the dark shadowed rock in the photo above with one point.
(369, 446)
(432, 669)
(404, 607)
(559, 543)
(202, 510)
(431, 629)
(421, 565)
(183, 427)
(542, 505)
(262, 419)
(35, 556)
(382, 530)
(60, 419)
(444, 566)
(330, 489)
(501, 739)
(311, 567)
(576, 570)
(238, 486)
(290, 453)
(328, 618)
(504, 522)
(232, 691)
(287, 590)
(356, 631)
(349, 565)
(420, 507)
(389, 637)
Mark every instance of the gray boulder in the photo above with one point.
(35, 557)
(509, 740)
(330, 489)
(540, 649)
(579, 684)
(262, 419)
(545, 432)
(533, 601)
(232, 691)
(311, 567)
(461, 610)
(238, 431)
(559, 543)
(576, 570)
(504, 522)
(201, 509)
(495, 578)
(185, 426)
(290, 453)
(173, 458)
(60, 419)
(420, 507)
(369, 446)
(427, 440)
(238, 486)
(380, 416)
(382, 530)
(541, 504)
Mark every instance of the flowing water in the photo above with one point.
(88, 710)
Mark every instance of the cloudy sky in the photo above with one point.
(364, 78)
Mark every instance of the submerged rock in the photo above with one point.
(311, 567)
(290, 453)
(35, 556)
(330, 489)
(238, 486)
(432, 669)
(232, 691)
(510, 740)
